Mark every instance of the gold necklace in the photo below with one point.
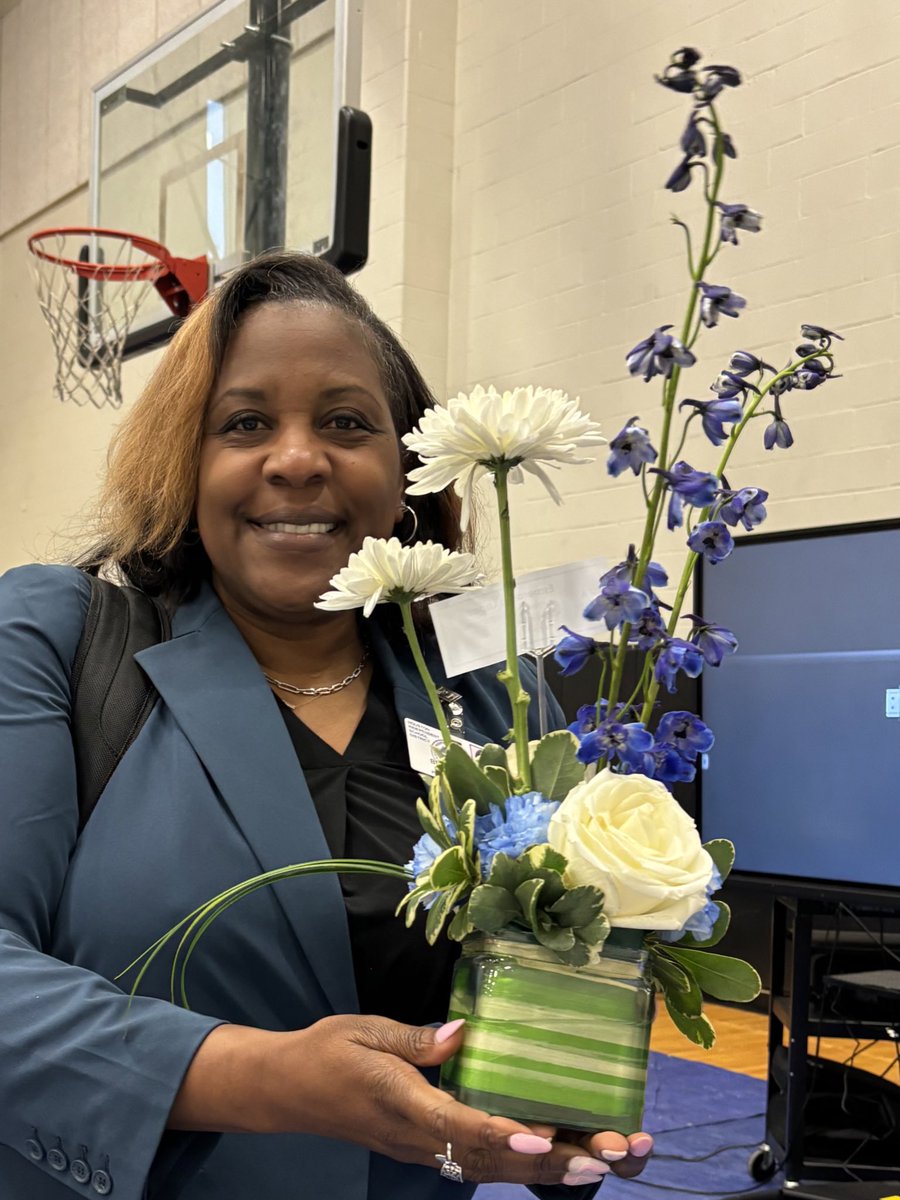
(328, 690)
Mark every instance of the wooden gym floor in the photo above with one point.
(741, 1044)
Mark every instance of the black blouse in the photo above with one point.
(366, 802)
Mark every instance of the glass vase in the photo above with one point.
(548, 1043)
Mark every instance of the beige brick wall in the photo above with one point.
(520, 232)
(563, 255)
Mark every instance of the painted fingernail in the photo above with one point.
(613, 1155)
(641, 1145)
(586, 1166)
(529, 1143)
(576, 1178)
(447, 1031)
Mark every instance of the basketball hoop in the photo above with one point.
(90, 284)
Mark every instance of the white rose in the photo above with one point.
(627, 835)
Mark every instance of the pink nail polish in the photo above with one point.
(529, 1143)
(580, 1165)
(641, 1145)
(447, 1031)
(613, 1155)
(576, 1178)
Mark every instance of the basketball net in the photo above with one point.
(91, 284)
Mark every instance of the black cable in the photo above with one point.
(709, 1124)
(683, 1158)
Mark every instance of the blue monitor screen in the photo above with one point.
(804, 776)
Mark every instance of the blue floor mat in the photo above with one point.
(695, 1112)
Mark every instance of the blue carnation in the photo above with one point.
(523, 824)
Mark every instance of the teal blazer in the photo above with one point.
(209, 794)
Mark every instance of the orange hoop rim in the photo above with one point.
(108, 272)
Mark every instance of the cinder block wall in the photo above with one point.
(520, 232)
(564, 257)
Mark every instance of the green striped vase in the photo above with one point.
(547, 1043)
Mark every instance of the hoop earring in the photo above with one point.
(415, 528)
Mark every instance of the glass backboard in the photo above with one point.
(225, 139)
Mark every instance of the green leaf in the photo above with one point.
(466, 828)
(544, 858)
(431, 827)
(500, 776)
(719, 975)
(698, 1030)
(437, 915)
(554, 767)
(721, 851)
(527, 894)
(461, 925)
(596, 933)
(719, 929)
(556, 939)
(491, 908)
(578, 906)
(670, 977)
(579, 955)
(493, 755)
(448, 869)
(508, 872)
(468, 782)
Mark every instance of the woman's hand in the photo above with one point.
(623, 1156)
(357, 1079)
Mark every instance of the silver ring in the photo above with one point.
(449, 1168)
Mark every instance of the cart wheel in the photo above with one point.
(761, 1164)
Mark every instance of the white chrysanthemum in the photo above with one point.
(473, 434)
(388, 571)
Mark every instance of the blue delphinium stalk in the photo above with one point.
(628, 604)
(686, 733)
(523, 823)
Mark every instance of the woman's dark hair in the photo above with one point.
(146, 505)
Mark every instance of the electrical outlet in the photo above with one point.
(892, 702)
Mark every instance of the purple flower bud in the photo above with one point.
(686, 733)
(693, 143)
(746, 507)
(718, 300)
(744, 363)
(817, 333)
(618, 603)
(573, 651)
(680, 177)
(778, 433)
(713, 641)
(630, 448)
(677, 655)
(712, 540)
(658, 354)
(737, 217)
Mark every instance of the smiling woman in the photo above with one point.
(264, 452)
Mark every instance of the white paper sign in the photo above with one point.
(425, 746)
(470, 627)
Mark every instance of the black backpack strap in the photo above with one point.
(111, 695)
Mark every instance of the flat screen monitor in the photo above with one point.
(804, 776)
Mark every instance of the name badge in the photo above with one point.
(425, 746)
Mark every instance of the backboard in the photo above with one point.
(238, 133)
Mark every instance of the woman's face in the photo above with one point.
(300, 461)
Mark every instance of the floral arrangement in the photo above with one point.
(576, 840)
